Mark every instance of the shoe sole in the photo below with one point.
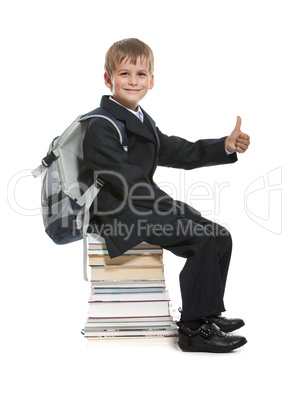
(227, 349)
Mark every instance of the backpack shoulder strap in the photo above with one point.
(101, 112)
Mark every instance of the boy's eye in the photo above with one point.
(125, 73)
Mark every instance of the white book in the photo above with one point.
(129, 252)
(97, 239)
(129, 309)
(130, 320)
(99, 324)
(129, 297)
(115, 290)
(124, 333)
(128, 283)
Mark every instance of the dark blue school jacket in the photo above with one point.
(130, 201)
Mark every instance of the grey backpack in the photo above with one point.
(65, 202)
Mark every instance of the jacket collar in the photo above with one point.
(132, 122)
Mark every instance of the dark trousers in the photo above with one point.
(207, 248)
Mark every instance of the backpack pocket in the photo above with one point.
(60, 219)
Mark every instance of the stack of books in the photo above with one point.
(129, 299)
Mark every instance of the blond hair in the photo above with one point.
(130, 49)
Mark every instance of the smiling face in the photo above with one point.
(130, 82)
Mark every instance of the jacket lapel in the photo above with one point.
(132, 122)
(152, 126)
(136, 126)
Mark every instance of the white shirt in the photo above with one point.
(138, 113)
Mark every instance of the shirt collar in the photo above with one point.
(138, 113)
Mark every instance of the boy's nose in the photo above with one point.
(132, 80)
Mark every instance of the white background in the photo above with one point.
(214, 60)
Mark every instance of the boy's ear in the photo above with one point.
(151, 83)
(108, 81)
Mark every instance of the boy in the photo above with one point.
(131, 208)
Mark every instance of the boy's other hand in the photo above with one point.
(237, 141)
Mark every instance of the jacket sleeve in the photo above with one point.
(105, 156)
(180, 153)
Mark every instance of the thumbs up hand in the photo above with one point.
(237, 141)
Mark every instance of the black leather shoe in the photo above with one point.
(226, 324)
(208, 338)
